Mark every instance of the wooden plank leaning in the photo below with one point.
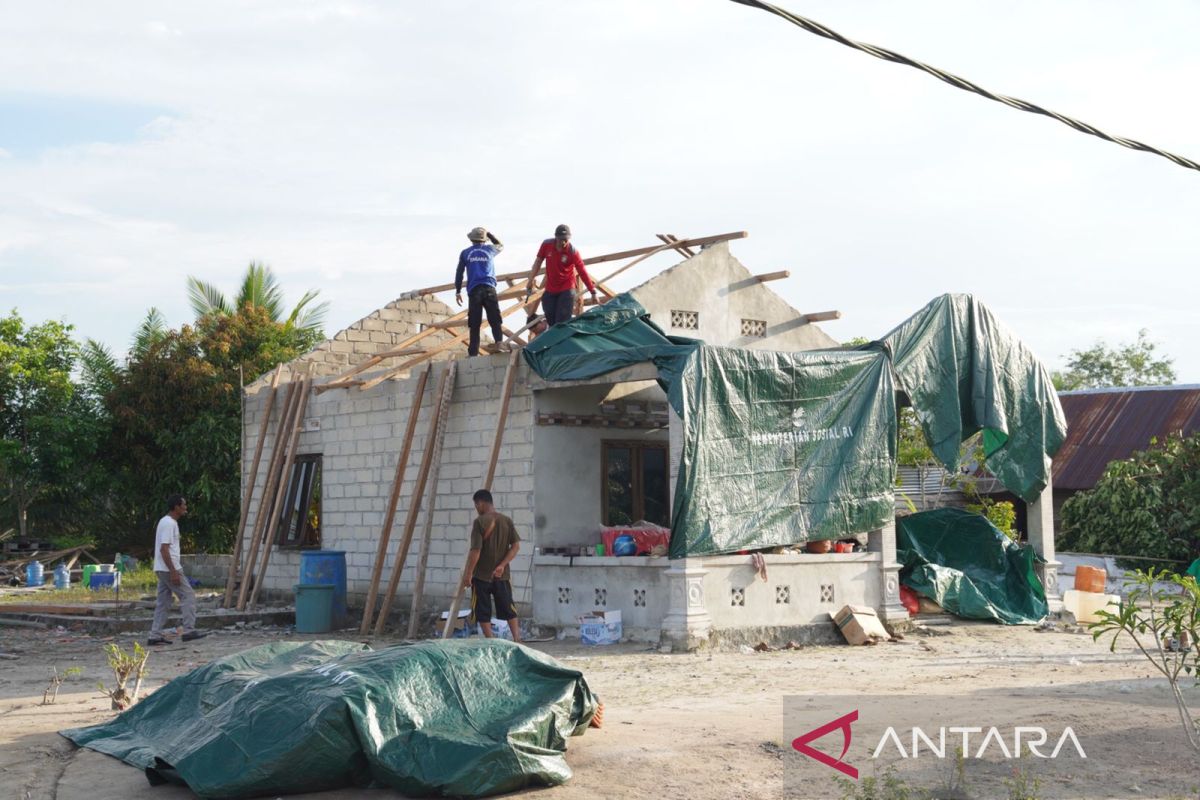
(510, 376)
(394, 498)
(281, 491)
(260, 519)
(235, 565)
(430, 508)
(445, 390)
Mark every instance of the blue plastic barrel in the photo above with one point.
(62, 577)
(33, 574)
(319, 567)
(314, 607)
(103, 580)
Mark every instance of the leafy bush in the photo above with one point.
(1145, 505)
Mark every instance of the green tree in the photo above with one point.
(260, 290)
(48, 427)
(1145, 505)
(176, 421)
(1133, 364)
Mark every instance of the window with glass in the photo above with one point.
(637, 484)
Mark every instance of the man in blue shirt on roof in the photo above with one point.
(479, 263)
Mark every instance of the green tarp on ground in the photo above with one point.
(781, 448)
(743, 484)
(969, 567)
(965, 372)
(461, 718)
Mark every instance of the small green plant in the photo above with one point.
(1000, 513)
(57, 680)
(1023, 785)
(125, 667)
(1164, 625)
(888, 787)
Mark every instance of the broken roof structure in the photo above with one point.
(698, 401)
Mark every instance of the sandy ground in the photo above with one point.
(706, 725)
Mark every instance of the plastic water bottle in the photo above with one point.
(33, 574)
(62, 577)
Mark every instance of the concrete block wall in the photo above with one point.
(211, 568)
(360, 437)
(374, 333)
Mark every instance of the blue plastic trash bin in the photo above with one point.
(318, 567)
(314, 607)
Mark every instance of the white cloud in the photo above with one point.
(351, 145)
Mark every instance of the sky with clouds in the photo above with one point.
(351, 145)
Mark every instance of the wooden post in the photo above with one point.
(282, 490)
(235, 565)
(277, 448)
(510, 376)
(430, 507)
(386, 532)
(445, 390)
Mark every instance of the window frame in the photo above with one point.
(306, 537)
(637, 470)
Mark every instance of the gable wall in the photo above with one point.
(723, 292)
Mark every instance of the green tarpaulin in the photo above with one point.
(461, 718)
(965, 372)
(969, 567)
(606, 337)
(782, 448)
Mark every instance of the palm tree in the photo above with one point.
(261, 289)
(152, 330)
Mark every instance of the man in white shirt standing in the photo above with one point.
(171, 580)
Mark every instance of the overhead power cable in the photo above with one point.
(962, 83)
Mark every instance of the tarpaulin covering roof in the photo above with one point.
(964, 372)
(969, 567)
(461, 718)
(780, 448)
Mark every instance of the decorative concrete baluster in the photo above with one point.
(883, 541)
(687, 623)
(1040, 522)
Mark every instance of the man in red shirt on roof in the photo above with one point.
(562, 262)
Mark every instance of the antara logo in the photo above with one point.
(1023, 738)
(800, 743)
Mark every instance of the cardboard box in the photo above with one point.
(860, 625)
(600, 627)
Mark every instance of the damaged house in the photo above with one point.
(698, 408)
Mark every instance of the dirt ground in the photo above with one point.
(706, 725)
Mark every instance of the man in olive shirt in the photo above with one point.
(494, 544)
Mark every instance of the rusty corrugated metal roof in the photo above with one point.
(1107, 424)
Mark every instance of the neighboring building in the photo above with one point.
(1105, 425)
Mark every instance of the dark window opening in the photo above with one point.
(637, 485)
(300, 517)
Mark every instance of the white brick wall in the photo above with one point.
(360, 439)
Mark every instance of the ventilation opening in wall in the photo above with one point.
(685, 320)
(754, 327)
